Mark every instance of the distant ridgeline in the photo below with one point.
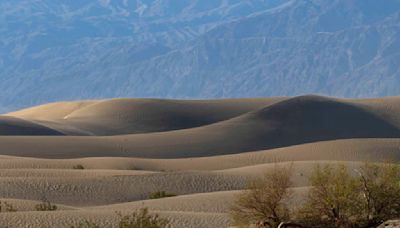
(52, 50)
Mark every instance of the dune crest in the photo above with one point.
(92, 158)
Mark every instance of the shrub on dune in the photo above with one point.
(142, 219)
(265, 200)
(338, 197)
(79, 166)
(160, 194)
(45, 205)
(6, 207)
(138, 219)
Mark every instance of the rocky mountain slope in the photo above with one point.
(57, 50)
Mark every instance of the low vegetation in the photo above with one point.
(142, 218)
(265, 201)
(45, 205)
(138, 219)
(339, 197)
(86, 224)
(6, 207)
(160, 194)
(78, 167)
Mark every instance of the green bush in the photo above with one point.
(338, 197)
(160, 194)
(264, 202)
(335, 199)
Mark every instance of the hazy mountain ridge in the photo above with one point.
(198, 49)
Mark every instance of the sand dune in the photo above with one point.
(337, 150)
(51, 111)
(64, 219)
(29, 205)
(290, 122)
(129, 116)
(203, 151)
(15, 126)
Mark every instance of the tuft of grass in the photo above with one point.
(160, 194)
(138, 219)
(86, 224)
(142, 218)
(79, 166)
(6, 207)
(45, 205)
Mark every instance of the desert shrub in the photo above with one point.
(138, 219)
(381, 191)
(79, 166)
(86, 224)
(265, 200)
(142, 219)
(45, 205)
(6, 207)
(335, 199)
(160, 194)
(338, 199)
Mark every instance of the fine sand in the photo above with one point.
(93, 158)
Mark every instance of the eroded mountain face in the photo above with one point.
(63, 50)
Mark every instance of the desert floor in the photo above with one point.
(204, 151)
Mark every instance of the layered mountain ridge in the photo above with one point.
(197, 49)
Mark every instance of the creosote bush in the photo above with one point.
(138, 219)
(45, 205)
(362, 197)
(79, 166)
(335, 199)
(160, 194)
(142, 219)
(6, 207)
(86, 224)
(265, 200)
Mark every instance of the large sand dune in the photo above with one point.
(129, 116)
(14, 126)
(202, 151)
(290, 122)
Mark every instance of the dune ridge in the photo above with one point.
(93, 158)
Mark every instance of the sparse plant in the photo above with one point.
(6, 207)
(142, 219)
(79, 166)
(335, 199)
(160, 194)
(381, 191)
(86, 224)
(265, 200)
(45, 205)
(339, 199)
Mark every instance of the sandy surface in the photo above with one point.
(202, 151)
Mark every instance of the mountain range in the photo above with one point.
(53, 50)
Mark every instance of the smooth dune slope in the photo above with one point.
(15, 126)
(113, 154)
(51, 111)
(290, 122)
(337, 150)
(129, 116)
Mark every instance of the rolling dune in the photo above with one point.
(15, 126)
(290, 122)
(93, 158)
(130, 116)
